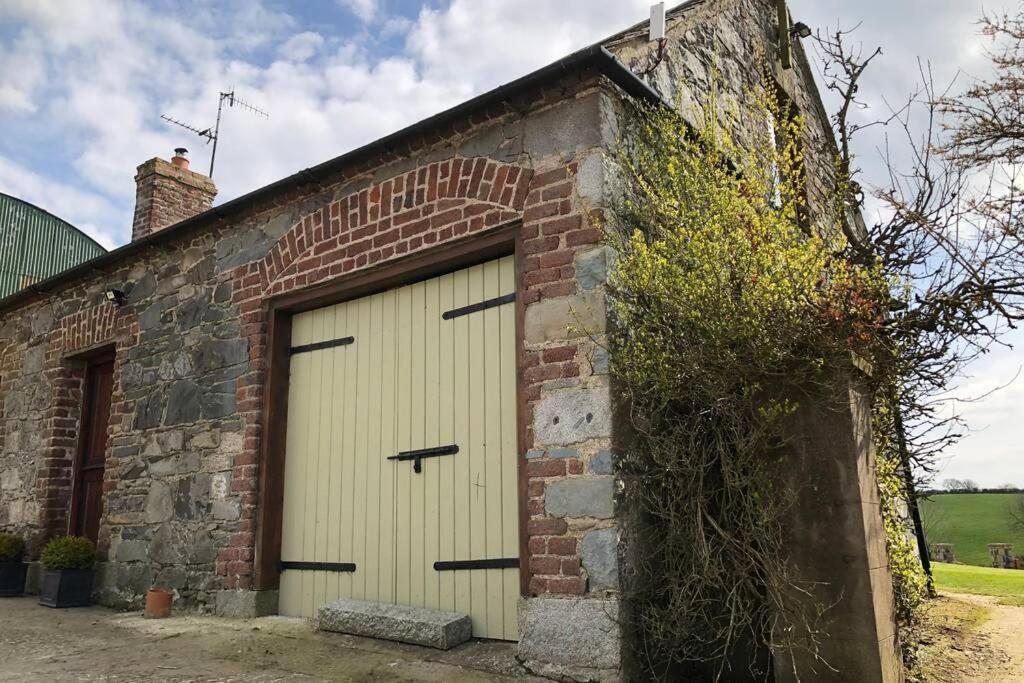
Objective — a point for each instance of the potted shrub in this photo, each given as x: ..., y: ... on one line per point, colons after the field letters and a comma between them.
x: 67, y: 572
x: 12, y: 568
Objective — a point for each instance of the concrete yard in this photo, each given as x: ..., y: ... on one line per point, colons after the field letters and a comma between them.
x: 97, y: 644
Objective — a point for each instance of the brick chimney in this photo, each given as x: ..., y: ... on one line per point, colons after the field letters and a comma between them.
x: 168, y: 192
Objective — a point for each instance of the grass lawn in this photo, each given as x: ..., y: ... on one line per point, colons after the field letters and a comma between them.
x: 1007, y: 584
x: 970, y: 521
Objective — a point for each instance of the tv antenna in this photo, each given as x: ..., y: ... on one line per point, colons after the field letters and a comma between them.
x: 213, y: 134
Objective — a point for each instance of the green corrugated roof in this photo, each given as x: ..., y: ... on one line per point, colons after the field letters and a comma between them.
x: 35, y: 245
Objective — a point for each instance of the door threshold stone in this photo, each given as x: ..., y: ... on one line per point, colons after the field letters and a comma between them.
x: 401, y: 623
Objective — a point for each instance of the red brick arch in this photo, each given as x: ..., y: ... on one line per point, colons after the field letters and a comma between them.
x: 90, y: 327
x: 428, y: 205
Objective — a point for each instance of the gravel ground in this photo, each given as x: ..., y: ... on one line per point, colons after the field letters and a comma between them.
x: 95, y: 644
x: 968, y: 638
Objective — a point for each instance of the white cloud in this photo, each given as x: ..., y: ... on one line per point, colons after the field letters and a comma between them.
x: 14, y: 99
x: 395, y: 26
x: 366, y: 10
x: 492, y: 42
x: 21, y: 73
x: 301, y: 46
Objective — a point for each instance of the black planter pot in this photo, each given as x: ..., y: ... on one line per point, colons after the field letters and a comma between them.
x: 66, y: 588
x: 12, y: 578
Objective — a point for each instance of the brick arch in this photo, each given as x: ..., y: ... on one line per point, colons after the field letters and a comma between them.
x: 428, y: 205
x: 91, y: 327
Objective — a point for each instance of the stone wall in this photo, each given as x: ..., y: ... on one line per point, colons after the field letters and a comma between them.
x: 182, y: 462
x: 836, y: 539
x: 943, y: 552
x: 1002, y: 555
x: 728, y: 46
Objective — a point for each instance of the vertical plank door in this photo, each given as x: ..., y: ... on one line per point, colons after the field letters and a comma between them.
x: 431, y: 366
x: 88, y: 502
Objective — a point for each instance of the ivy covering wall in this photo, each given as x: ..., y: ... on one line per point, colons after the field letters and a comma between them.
x: 731, y: 304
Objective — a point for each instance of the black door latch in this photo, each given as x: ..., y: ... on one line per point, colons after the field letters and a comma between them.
x: 418, y: 455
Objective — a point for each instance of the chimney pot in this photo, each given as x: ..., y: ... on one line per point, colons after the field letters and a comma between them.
x: 180, y: 158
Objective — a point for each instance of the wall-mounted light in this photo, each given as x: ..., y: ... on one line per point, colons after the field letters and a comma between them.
x: 800, y: 30
x: 115, y: 296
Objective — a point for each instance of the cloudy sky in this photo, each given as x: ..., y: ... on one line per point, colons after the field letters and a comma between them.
x: 83, y: 84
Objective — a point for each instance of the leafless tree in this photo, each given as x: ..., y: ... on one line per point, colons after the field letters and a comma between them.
x: 948, y: 237
x: 987, y: 124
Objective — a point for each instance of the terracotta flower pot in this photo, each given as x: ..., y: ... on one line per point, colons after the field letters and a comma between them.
x: 158, y: 604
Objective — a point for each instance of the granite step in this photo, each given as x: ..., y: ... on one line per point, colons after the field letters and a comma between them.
x: 414, y: 625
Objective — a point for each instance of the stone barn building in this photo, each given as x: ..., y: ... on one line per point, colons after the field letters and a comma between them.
x: 377, y: 378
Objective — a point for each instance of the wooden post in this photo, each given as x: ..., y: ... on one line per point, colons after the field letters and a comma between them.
x: 785, y: 47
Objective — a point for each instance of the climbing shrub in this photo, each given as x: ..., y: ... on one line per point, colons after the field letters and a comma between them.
x: 729, y: 309
x: 910, y: 584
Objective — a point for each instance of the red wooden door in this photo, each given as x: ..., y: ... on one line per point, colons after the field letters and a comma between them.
x: 88, y: 504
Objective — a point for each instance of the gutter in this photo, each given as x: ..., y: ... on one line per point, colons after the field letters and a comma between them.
x: 596, y: 56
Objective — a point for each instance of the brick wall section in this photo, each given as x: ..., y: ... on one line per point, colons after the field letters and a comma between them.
x: 234, y: 563
x: 166, y: 194
x: 86, y: 329
x: 558, y: 236
x: 60, y: 428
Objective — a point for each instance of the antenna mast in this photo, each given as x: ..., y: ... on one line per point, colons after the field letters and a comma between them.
x: 212, y: 135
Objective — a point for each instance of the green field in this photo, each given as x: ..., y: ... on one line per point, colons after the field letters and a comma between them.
x: 1008, y: 584
x: 970, y: 521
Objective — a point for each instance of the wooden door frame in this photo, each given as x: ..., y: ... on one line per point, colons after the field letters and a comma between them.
x: 503, y: 240
x: 88, y: 359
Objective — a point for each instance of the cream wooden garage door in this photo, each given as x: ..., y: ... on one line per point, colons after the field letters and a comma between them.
x: 427, y: 368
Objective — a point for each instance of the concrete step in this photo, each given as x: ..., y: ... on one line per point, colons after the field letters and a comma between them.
x: 415, y: 625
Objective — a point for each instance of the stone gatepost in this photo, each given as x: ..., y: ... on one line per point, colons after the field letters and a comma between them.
x: 837, y: 540
x: 943, y: 552
x: 1001, y: 554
